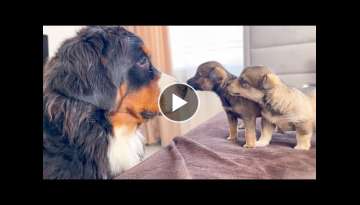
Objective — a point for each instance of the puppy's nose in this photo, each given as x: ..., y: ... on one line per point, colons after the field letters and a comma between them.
x: 190, y: 81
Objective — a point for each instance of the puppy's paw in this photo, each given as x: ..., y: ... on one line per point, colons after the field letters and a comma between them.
x: 302, y: 147
x: 266, y: 114
x: 230, y: 138
x: 248, y: 146
x: 262, y: 143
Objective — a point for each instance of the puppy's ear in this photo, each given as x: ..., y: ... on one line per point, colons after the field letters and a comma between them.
x: 269, y: 81
x: 80, y: 74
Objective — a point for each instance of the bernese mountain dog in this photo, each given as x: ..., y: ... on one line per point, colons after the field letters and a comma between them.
x: 97, y: 89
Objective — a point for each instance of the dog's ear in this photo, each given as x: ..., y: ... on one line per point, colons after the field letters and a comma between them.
x: 269, y: 81
x: 80, y: 73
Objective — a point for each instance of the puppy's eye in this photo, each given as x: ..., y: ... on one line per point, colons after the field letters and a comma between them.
x: 244, y: 83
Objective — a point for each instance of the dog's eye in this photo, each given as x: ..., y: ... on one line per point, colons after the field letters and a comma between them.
x: 143, y: 62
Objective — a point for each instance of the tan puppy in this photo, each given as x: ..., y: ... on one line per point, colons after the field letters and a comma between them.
x: 283, y: 106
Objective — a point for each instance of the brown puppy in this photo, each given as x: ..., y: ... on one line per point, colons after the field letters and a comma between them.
x: 288, y: 108
x: 212, y: 76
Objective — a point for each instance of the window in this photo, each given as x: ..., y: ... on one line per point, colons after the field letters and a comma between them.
x: 193, y: 45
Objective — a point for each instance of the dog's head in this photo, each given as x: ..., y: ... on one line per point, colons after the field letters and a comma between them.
x: 253, y: 82
x: 208, y: 76
x: 106, y: 67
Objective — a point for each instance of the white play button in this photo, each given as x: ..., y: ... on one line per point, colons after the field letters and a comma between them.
x: 177, y: 102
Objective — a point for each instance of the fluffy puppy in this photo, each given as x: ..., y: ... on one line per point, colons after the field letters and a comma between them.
x: 286, y: 107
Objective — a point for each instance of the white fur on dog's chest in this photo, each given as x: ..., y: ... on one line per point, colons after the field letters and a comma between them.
x: 125, y: 151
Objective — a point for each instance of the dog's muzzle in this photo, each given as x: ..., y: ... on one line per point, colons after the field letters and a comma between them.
x: 149, y: 115
x: 192, y: 83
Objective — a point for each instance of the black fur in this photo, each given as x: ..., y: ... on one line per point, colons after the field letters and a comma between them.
x: 80, y: 88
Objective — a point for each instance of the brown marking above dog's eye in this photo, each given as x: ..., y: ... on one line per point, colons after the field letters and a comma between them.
x: 146, y: 51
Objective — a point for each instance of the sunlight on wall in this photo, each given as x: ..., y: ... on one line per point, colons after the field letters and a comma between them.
x: 193, y: 45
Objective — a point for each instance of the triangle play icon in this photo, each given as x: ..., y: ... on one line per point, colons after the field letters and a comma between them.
x: 177, y: 102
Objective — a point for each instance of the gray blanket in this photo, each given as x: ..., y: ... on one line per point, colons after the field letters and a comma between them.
x: 204, y: 153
